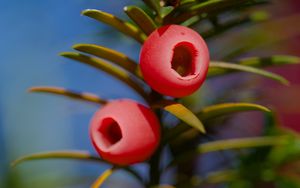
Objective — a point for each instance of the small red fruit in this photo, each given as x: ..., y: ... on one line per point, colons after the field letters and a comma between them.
x: 174, y: 60
x: 125, y: 132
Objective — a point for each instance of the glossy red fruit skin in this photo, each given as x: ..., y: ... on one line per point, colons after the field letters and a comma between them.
x: 156, y: 60
x: 134, y: 141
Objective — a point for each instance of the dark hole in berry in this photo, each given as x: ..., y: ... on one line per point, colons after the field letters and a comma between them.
x: 110, y: 132
x: 183, y: 60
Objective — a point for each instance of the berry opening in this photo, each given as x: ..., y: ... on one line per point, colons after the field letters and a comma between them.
x: 110, y: 132
x: 183, y: 60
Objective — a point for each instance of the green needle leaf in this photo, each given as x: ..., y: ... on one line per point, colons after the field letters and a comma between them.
x: 235, y: 143
x: 226, y: 108
x: 269, y: 61
x: 153, y: 4
x: 166, y: 10
x: 239, y: 143
x: 182, y: 2
x: 142, y: 19
x: 215, y: 4
x: 98, y: 183
x: 116, y: 57
x: 71, y: 94
x: 164, y: 186
x: 259, y: 16
x: 184, y: 114
x: 188, y: 10
x: 215, y: 111
x: 78, y: 155
x: 208, y: 4
x: 124, y: 27
x: 219, y: 68
x: 108, y: 68
x: 217, y: 177
x: 254, y: 17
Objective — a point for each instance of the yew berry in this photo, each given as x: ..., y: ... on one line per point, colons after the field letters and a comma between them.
x: 125, y: 132
x: 174, y: 60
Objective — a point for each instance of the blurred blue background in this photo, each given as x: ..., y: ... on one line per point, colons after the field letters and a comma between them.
x: 32, y: 34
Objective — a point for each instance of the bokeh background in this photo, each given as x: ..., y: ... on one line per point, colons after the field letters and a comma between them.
x: 33, y: 32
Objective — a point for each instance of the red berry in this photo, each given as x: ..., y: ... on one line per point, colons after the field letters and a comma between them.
x: 125, y: 132
x: 174, y: 60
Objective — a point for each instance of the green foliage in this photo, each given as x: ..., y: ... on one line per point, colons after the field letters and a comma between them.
x: 260, y: 160
x: 217, y: 68
x: 213, y: 112
x: 124, y: 27
x: 269, y: 61
x: 58, y: 155
x: 103, y: 177
x: 154, y: 5
x: 141, y: 18
x: 108, y: 68
x: 204, y: 9
x: 226, y: 108
x: 111, y: 55
x: 237, y: 143
x: 184, y: 114
x: 88, y: 97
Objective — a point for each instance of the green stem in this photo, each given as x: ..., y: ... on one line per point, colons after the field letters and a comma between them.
x: 134, y: 173
x: 154, y: 169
